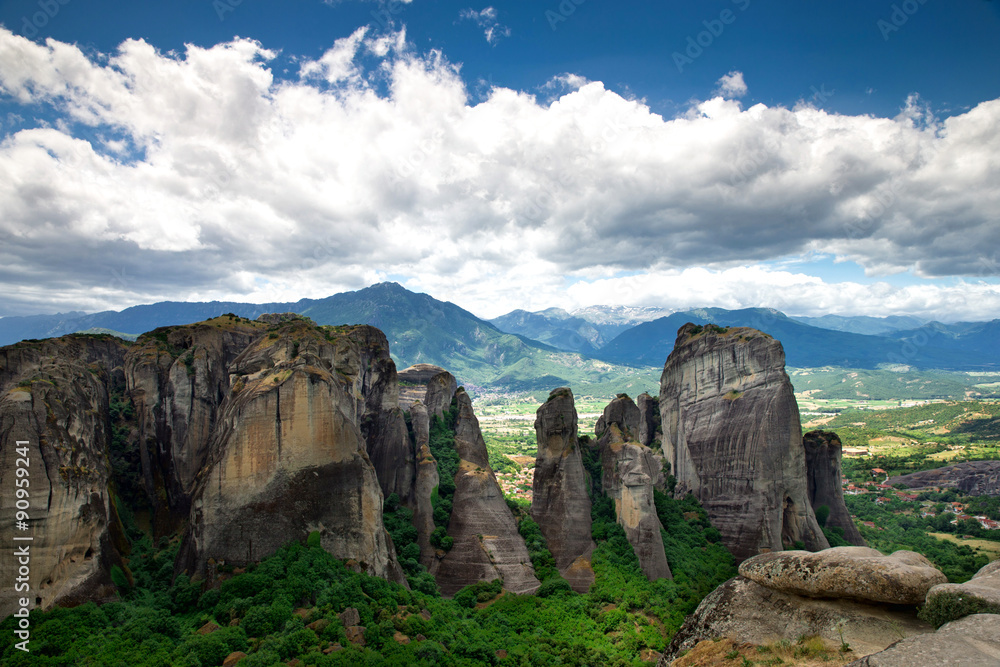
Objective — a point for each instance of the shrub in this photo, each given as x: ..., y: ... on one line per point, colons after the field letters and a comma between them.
x: 943, y: 608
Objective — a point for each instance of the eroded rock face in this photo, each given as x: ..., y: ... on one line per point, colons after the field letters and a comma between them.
x: 857, y: 573
x: 732, y: 435
x: 974, y: 478
x: 823, y: 453
x: 984, y: 586
x: 382, y: 423
x: 973, y: 641
x: 431, y: 385
x: 56, y: 405
x: 178, y: 378
x: 630, y: 472
x: 745, y: 611
x: 649, y: 421
x: 487, y: 544
x: 560, y: 500
x: 288, y: 456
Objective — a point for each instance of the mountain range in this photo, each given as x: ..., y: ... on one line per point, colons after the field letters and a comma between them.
x: 593, y: 346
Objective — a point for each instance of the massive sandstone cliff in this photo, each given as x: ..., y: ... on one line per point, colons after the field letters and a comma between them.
x: 288, y: 455
x: 732, y: 436
x: 630, y: 472
x: 487, y: 544
x: 560, y: 501
x: 425, y: 391
x: 177, y: 378
x: 54, y: 400
x: 823, y: 453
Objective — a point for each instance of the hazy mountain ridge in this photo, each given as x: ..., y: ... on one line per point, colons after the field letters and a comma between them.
x: 530, y: 351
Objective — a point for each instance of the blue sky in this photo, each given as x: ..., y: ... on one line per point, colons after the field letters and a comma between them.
x: 814, y: 157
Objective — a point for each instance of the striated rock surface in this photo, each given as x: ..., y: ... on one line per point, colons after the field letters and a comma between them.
x: 732, y: 436
x: 487, y: 544
x: 431, y: 385
x: 426, y: 481
x: 857, y: 573
x: 745, y: 611
x: 984, y: 587
x: 630, y: 472
x: 974, y: 478
x: 823, y: 453
x: 288, y: 456
x: 55, y: 402
x: 560, y: 500
x: 649, y: 421
x: 973, y: 641
x: 425, y: 391
x: 178, y: 378
x: 382, y: 423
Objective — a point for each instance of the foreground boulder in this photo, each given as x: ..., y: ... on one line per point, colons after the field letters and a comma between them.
x: 973, y: 641
x: 732, y: 436
x: 981, y: 593
x: 823, y: 455
x: 856, y: 573
x: 560, y: 499
x: 487, y: 544
x: 288, y: 456
x: 747, y: 612
x: 630, y: 472
x: 53, y: 425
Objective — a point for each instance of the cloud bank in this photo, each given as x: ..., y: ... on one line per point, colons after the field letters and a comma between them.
x: 202, y: 174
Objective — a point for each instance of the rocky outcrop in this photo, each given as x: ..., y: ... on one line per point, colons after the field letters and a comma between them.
x: 54, y: 426
x: 425, y: 391
x: 984, y: 587
x: 382, y: 423
x: 431, y: 385
x: 560, y: 498
x: 747, y: 612
x: 823, y: 453
x: 487, y: 544
x: 856, y: 573
x: 288, y: 456
x: 629, y: 473
x: 973, y: 641
x: 974, y: 478
x: 177, y: 378
x: 732, y: 436
x: 649, y: 421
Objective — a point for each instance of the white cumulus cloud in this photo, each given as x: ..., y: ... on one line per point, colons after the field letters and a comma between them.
x: 202, y: 174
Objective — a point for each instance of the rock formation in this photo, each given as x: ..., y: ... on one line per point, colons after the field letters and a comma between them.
x: 973, y: 641
x: 487, y: 544
x: 630, y: 472
x: 823, y: 453
x: 649, y: 421
x: 560, y: 499
x: 855, y: 573
x: 288, y: 455
x: 177, y: 378
x: 984, y: 587
x: 732, y: 436
x: 53, y: 424
x: 425, y: 391
x: 431, y: 385
x: 747, y: 612
x: 974, y: 478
